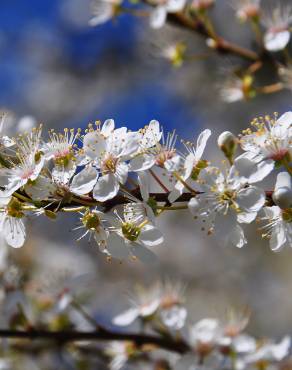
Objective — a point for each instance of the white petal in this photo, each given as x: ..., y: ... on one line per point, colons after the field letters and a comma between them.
x: 106, y: 188
x: 151, y: 236
x: 142, y: 162
x: 122, y: 172
x: 144, y: 184
x: 285, y: 120
x: 126, y: 318
x: 84, y: 181
x: 194, y: 206
x: 158, y: 17
x: 252, y: 170
x: 278, y: 238
x: 173, y: 164
x: 108, y: 127
x: 246, y: 217
x: 94, y: 144
x: 14, y: 231
x: 152, y: 135
x: 131, y: 144
x: 202, y: 142
x: 276, y: 41
x: 117, y: 247
x: 41, y: 188
x: 251, y: 199
x: 236, y: 237
x: 174, y: 317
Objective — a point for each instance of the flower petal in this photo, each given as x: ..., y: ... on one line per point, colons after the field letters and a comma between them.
x: 126, y: 318
x: 151, y: 236
x: 84, y: 181
x: 106, y: 188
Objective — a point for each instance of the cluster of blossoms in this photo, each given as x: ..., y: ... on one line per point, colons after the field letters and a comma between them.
x: 270, y: 23
x: 167, y: 337
x: 107, y: 173
x: 210, y: 343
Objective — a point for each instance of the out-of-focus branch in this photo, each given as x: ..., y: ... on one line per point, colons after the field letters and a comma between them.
x: 61, y: 337
x: 222, y: 45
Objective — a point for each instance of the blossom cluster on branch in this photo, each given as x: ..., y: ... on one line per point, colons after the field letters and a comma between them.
x: 41, y: 322
x: 107, y: 175
x: 271, y: 26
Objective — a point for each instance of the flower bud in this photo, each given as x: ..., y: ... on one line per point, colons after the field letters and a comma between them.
x: 227, y: 142
x: 282, y: 195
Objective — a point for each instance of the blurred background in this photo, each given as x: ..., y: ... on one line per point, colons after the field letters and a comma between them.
x: 53, y: 66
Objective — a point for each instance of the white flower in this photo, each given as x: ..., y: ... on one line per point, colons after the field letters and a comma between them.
x: 162, y: 7
x: 5, y: 141
x: 175, y: 53
x: 236, y: 88
x: 11, y: 222
x: 225, y: 202
x: 270, y: 352
x: 110, y: 156
x: 131, y: 237
x: 270, y: 143
x: 162, y: 302
x: 60, y: 149
x: 145, y: 158
x: 277, y: 35
x: 144, y: 304
x: 120, y: 352
x: 246, y: 9
x: 103, y: 11
x: 172, y: 311
x: 29, y: 164
x: 95, y: 224
x: 204, y: 335
x: 192, y: 163
x: 279, y: 227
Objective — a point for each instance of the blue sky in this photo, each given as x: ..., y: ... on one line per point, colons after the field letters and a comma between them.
x: 82, y: 47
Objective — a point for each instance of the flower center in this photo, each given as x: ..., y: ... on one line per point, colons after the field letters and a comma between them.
x: 227, y: 196
x: 130, y: 231
x: 109, y: 164
x: 14, y: 208
x: 163, y: 156
x: 91, y: 221
x: 287, y: 215
x: 279, y: 155
x: 64, y: 157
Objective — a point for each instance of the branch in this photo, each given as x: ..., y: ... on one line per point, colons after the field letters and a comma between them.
x: 223, y: 46
x: 169, y: 344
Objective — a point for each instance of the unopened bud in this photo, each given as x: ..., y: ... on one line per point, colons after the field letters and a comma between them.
x: 227, y: 142
x: 282, y: 195
x: 201, y: 5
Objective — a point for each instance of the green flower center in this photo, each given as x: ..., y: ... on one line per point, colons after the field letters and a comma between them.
x: 91, y: 221
x: 14, y: 208
x: 131, y: 231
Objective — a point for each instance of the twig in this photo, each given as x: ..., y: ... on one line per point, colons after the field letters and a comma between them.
x: 71, y: 336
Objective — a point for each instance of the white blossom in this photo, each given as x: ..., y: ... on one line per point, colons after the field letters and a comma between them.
x: 161, y: 8
x: 226, y: 202
x: 192, y: 163
x: 269, y: 143
x: 103, y: 11
x: 277, y: 23
x: 278, y: 228
x: 110, y: 155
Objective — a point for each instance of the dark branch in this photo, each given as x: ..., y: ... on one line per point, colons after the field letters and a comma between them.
x: 70, y: 336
